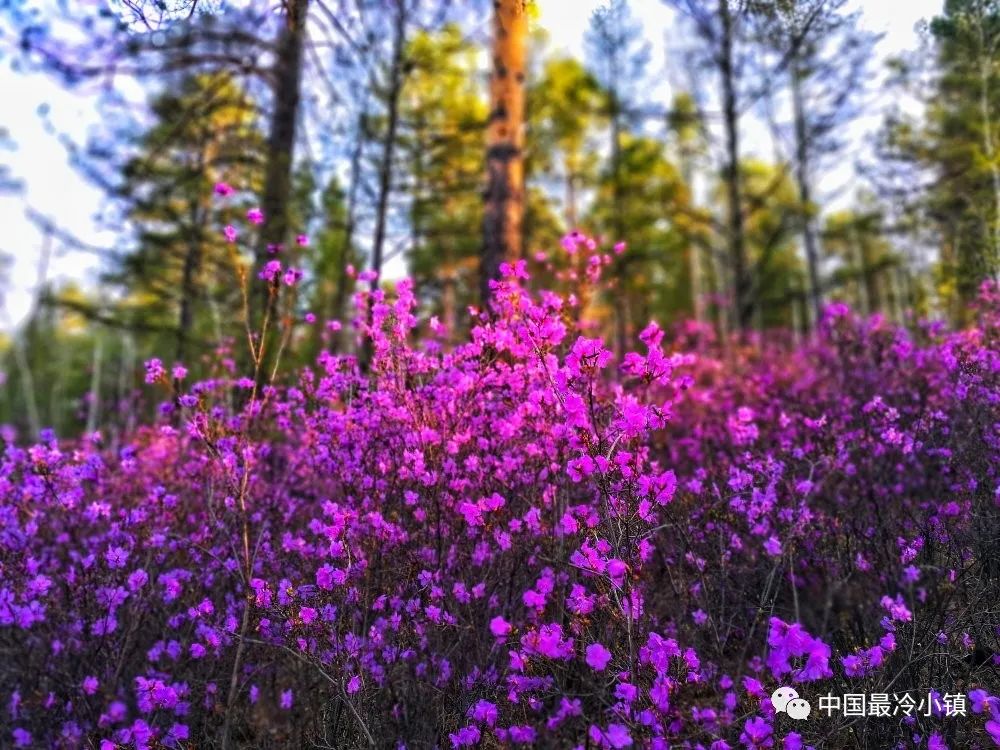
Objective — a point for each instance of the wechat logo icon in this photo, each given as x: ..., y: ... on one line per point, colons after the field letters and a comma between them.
x: 787, y: 700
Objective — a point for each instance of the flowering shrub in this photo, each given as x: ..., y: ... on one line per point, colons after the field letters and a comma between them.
x: 519, y: 541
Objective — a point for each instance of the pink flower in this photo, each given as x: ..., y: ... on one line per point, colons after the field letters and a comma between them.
x: 302, y: 240
x: 620, y: 248
x: 179, y: 371
x: 327, y: 577
x: 597, y: 657
x: 271, y: 270
x: 255, y: 216
x: 500, y: 627
x: 223, y: 189
x: 229, y: 232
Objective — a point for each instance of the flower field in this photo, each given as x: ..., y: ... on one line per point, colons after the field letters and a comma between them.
x: 522, y: 540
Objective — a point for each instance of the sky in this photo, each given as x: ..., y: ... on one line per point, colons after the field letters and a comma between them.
x: 54, y: 189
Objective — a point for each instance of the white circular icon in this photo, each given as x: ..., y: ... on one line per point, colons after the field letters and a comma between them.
x: 781, y: 697
x: 798, y: 708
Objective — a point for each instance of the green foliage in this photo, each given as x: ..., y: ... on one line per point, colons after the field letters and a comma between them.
x: 565, y: 112
x: 178, y: 277
x: 867, y: 262
x: 771, y: 234
x: 67, y: 372
x: 958, y: 142
x: 651, y: 276
x: 444, y: 114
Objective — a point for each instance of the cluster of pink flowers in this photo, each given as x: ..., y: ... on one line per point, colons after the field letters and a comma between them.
x: 519, y: 541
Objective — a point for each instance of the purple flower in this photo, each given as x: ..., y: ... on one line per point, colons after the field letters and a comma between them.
x: 465, y: 737
x: 500, y: 627
x: 271, y: 270
x: 485, y: 712
x: 116, y: 557
x: 522, y: 735
x: 597, y: 657
x: 757, y: 733
x: 155, y: 371
x: 936, y: 742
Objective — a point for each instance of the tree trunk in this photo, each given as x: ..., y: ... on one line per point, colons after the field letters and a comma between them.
x: 286, y: 82
x: 616, y: 168
x: 504, y: 196
x: 389, y: 142
x: 386, y: 163
x: 742, y: 303
x: 866, y: 289
x: 189, y: 287
x: 571, y: 213
x: 94, y: 406
x: 810, y: 241
x: 694, y: 248
x: 340, y: 296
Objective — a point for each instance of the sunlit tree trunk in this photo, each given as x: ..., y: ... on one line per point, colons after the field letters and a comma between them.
x: 504, y: 196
